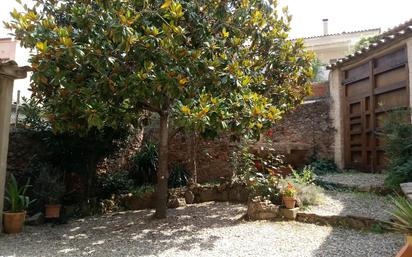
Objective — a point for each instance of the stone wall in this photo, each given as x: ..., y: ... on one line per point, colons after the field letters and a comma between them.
x: 23, y: 148
x: 308, y: 128
x: 301, y: 132
x: 305, y: 131
x: 212, y: 156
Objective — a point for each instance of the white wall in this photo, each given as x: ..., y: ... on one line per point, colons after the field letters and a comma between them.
x: 22, y: 59
x: 11, y: 49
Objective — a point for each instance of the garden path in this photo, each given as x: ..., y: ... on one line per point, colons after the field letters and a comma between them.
x: 207, y: 229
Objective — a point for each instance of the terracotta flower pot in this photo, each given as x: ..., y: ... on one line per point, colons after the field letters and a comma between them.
x: 409, y: 239
x: 52, y: 210
x: 289, y: 202
x: 13, y: 222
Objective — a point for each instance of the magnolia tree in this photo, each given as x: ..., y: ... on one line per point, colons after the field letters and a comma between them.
x: 211, y: 66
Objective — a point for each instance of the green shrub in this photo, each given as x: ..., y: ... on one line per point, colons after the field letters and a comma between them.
x: 49, y: 186
x: 140, y: 190
x: 402, y: 215
x: 307, y: 192
x: 397, y: 132
x: 33, y: 115
x: 323, y: 166
x: 145, y: 165
x: 257, y: 173
x: 16, y: 196
x: 304, y: 176
x: 114, y: 183
x: 179, y: 176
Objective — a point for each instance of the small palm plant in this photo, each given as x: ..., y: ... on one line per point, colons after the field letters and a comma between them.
x: 402, y: 214
x: 18, y: 204
x: 16, y: 195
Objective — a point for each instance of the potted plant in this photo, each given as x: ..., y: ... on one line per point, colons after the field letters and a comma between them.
x: 289, y: 196
x: 18, y: 203
x: 50, y: 188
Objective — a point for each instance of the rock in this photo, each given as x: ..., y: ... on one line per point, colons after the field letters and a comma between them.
x: 189, y: 197
x: 144, y: 201
x: 182, y: 202
x: 262, y: 210
x: 289, y: 214
x: 207, y: 194
x: 35, y: 220
x: 238, y: 193
x: 175, y: 202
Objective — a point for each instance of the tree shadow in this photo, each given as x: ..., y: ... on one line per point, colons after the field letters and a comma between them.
x: 358, y: 232
x: 135, y: 230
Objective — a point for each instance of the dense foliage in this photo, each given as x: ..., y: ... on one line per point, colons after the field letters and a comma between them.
x: 146, y: 163
x: 397, y: 135
x: 179, y: 176
x: 259, y: 174
x: 364, y: 42
x: 16, y: 197
x: 323, y: 166
x: 209, y: 65
x: 402, y: 214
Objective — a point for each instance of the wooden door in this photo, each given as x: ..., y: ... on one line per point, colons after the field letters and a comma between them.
x: 372, y: 90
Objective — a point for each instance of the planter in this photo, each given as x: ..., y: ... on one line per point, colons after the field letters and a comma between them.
x: 289, y: 202
x: 13, y: 222
x: 52, y: 210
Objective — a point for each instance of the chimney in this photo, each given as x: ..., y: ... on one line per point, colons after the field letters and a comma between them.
x: 325, y: 27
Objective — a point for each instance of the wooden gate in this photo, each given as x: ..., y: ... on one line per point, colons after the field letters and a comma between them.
x: 372, y: 89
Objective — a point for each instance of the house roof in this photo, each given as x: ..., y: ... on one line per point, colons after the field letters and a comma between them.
x: 341, y: 34
x: 395, y: 34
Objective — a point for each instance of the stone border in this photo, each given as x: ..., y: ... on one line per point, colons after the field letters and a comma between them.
x: 354, y: 222
x: 379, y: 190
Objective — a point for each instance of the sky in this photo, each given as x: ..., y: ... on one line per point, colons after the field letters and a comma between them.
x: 343, y: 15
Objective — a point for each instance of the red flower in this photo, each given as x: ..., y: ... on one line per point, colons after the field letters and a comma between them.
x: 258, y: 165
x: 269, y: 133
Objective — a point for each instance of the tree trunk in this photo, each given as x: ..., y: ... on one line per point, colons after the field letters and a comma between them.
x: 163, y: 173
x: 192, y: 136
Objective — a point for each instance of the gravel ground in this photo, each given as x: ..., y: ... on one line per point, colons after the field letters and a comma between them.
x: 209, y: 229
x: 353, y: 204
x: 355, y: 179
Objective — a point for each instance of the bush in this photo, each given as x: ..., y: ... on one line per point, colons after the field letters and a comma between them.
x: 145, y: 165
x: 307, y: 192
x: 140, y: 190
x: 304, y: 176
x: 257, y: 173
x: 49, y: 186
x: 179, y: 176
x: 33, y: 116
x: 402, y: 214
x: 397, y: 132
x: 323, y: 166
x: 114, y: 183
